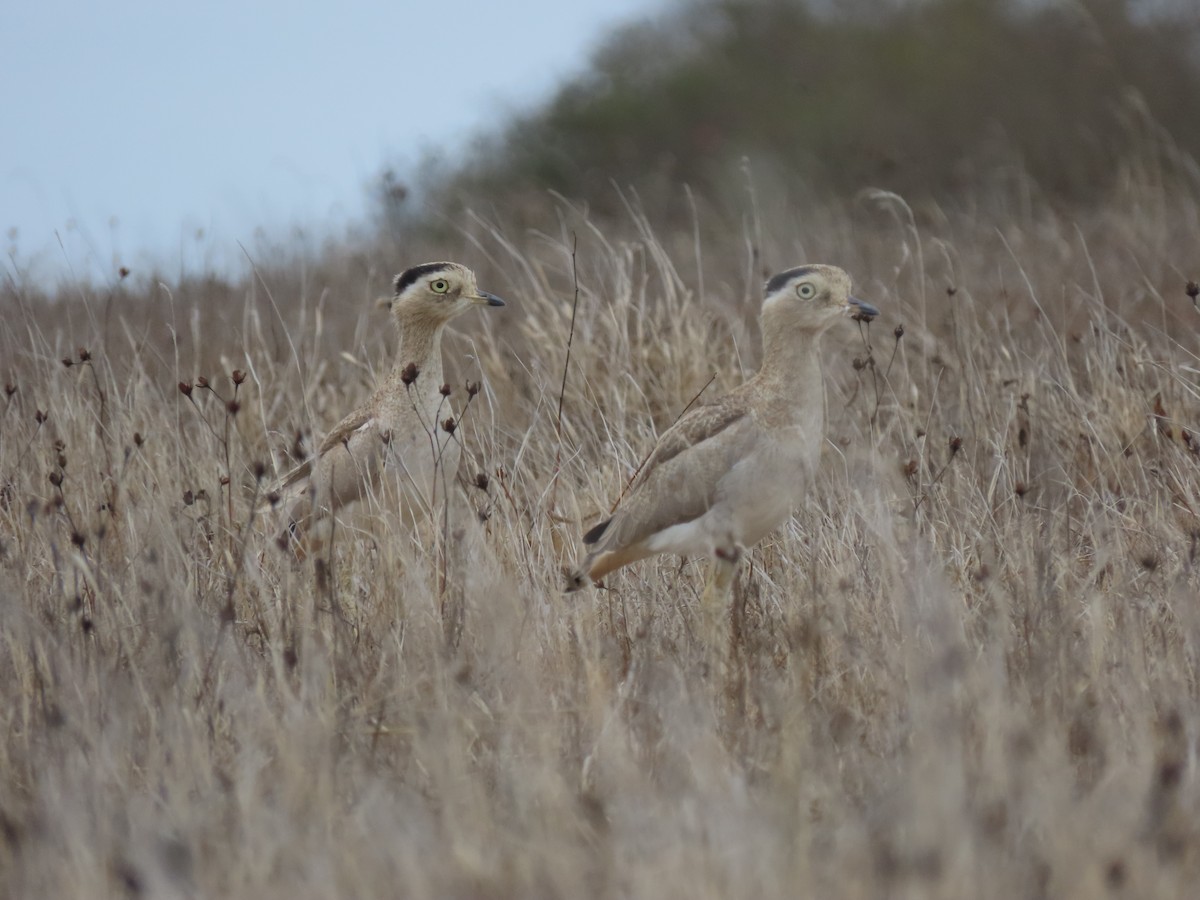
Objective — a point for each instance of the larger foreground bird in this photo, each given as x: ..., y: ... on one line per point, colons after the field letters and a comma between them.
x: 731, y: 471
x: 401, y: 430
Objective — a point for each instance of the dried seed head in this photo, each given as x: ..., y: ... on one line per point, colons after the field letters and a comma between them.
x: 201, y: 381
x: 224, y: 480
x: 444, y: 390
x: 78, y: 539
x: 1193, y: 290
x: 68, y: 362
x: 386, y: 436
x: 40, y: 416
x: 1021, y: 489
x: 273, y: 498
x: 449, y: 425
x: 59, y: 445
x: 185, y: 388
x: 84, y: 355
x: 409, y: 374
x: 955, y: 445
x: 898, y: 332
x: 56, y: 479
x: 9, y: 389
x: 1116, y: 873
x: 123, y: 272
x: 234, y: 407
x: 62, y: 460
x: 951, y: 290
x: 138, y: 440
x: 188, y: 498
x: 481, y: 481
x: 472, y: 388
x: 910, y: 468
x: 260, y: 469
x: 237, y: 376
x: 858, y: 364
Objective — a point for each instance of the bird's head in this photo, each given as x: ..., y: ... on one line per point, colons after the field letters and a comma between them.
x: 437, y: 291
x: 812, y: 298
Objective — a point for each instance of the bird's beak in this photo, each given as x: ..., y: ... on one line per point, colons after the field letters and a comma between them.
x: 860, y: 310
x: 487, y: 299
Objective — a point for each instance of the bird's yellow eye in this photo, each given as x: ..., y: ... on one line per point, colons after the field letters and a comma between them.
x: 806, y: 291
x: 440, y: 286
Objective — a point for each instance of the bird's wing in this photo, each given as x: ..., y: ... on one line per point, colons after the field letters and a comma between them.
x: 699, y: 425
x: 343, y: 430
x: 340, y: 433
x: 680, y: 478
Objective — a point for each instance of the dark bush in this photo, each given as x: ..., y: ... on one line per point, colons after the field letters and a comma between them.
x: 946, y: 99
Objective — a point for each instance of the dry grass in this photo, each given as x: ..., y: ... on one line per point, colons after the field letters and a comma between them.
x: 968, y: 668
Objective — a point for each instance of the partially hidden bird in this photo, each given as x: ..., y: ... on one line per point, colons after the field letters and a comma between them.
x: 731, y: 470
x: 406, y: 428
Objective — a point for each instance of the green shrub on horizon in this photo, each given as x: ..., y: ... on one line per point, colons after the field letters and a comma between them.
x: 942, y: 99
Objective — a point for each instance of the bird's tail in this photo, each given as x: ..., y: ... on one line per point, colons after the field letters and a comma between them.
x: 576, y: 579
x: 580, y: 576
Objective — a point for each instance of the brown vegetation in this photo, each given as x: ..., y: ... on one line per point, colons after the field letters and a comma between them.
x: 968, y: 668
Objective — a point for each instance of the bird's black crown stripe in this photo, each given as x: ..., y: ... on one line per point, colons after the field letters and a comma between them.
x: 410, y: 276
x: 778, y: 281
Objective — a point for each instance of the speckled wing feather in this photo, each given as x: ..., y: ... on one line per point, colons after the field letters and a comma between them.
x: 338, y: 435
x: 681, y: 475
x: 342, y: 430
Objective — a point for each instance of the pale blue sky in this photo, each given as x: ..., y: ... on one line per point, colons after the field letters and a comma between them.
x: 129, y: 126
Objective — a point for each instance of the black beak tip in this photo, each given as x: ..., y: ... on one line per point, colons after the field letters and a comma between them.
x: 492, y: 299
x: 862, y: 311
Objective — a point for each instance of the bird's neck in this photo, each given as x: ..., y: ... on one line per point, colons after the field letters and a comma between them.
x: 790, y: 355
x: 791, y: 373
x: 421, y: 345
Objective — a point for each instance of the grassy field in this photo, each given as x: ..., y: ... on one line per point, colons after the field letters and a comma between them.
x: 966, y: 668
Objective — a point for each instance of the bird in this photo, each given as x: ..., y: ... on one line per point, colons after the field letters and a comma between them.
x: 406, y: 427
x: 730, y: 471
